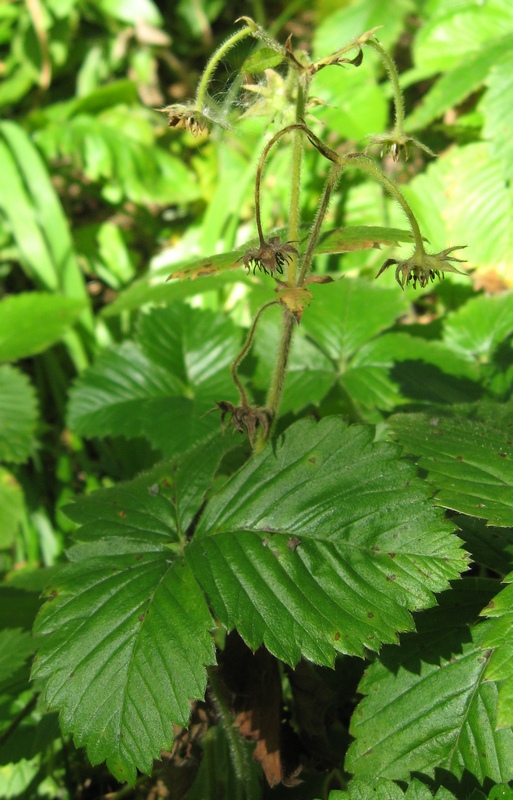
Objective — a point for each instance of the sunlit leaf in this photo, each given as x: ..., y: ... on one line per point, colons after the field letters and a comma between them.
x: 320, y: 544
x: 30, y: 322
x: 18, y: 415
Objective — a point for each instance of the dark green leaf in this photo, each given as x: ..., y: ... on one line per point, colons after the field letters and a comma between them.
x: 320, y: 544
x: 15, y: 647
x: 469, y: 463
x: 427, y: 706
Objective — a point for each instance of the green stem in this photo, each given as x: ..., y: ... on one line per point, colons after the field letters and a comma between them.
x: 219, y: 54
x: 243, y: 353
x: 259, y: 173
x: 294, y: 234
x: 288, y: 325
x: 331, y: 182
x: 391, y: 69
x: 368, y: 166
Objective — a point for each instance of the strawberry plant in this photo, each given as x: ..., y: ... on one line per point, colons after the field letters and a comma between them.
x: 290, y: 571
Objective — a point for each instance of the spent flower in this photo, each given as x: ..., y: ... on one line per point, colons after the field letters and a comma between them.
x: 423, y: 267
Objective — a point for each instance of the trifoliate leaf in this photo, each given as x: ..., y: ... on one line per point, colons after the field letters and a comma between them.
x: 427, y: 707
x: 161, y: 386
x: 321, y: 543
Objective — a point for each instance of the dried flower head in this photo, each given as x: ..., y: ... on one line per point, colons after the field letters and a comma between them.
x: 270, y: 257
x: 245, y: 418
x: 188, y: 117
x: 423, y: 267
x: 396, y: 143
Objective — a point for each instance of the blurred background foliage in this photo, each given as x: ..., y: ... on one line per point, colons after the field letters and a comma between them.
x: 100, y: 200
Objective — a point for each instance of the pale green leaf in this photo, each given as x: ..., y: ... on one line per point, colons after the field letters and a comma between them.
x: 497, y: 108
x: 321, y: 543
x: 12, y: 507
x: 468, y: 462
x: 32, y: 321
x: 427, y: 706
x: 457, y: 83
x: 350, y: 21
x: 39, y: 226
x: 463, y: 30
x: 18, y: 415
x: 265, y: 58
x: 131, y: 12
x: 480, y: 325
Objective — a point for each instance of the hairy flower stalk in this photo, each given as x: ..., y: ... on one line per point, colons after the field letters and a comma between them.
x: 396, y: 140
x: 199, y: 116
x: 421, y: 267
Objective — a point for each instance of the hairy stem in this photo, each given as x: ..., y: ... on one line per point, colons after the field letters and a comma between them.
x: 260, y: 170
x: 278, y: 379
x: 201, y: 94
x: 294, y: 233
x: 391, y: 69
x: 368, y: 166
x: 243, y: 353
x: 331, y: 182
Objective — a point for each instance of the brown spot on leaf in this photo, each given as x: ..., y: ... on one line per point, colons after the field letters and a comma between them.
x: 293, y: 543
x: 337, y: 636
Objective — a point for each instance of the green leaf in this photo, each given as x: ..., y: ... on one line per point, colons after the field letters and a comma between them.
x: 469, y: 463
x: 500, y: 639
x: 15, y: 647
x: 480, y: 325
x: 161, y: 386
x: 120, y: 151
x: 32, y: 321
x: 457, y: 83
x: 384, y: 789
x: 12, y: 507
x: 427, y: 706
x: 263, y: 59
x: 496, y: 106
x: 39, y: 226
x: 18, y: 415
x: 458, y: 31
x: 343, y: 318
x: 126, y: 629
x: 466, y: 184
x: 349, y: 21
x: 132, y: 12
x: 321, y: 544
